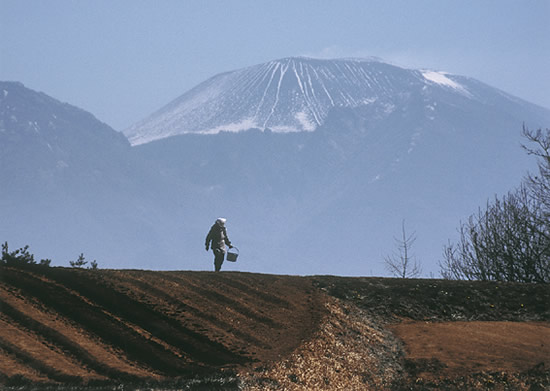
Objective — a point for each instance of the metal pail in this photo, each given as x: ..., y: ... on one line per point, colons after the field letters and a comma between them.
x: 232, y: 254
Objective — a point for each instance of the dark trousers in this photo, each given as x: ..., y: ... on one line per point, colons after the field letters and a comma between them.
x: 219, y: 255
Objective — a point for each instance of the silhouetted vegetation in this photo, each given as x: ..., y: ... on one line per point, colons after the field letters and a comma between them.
x: 23, y: 258
x: 80, y: 262
x: 20, y: 257
x: 509, y: 240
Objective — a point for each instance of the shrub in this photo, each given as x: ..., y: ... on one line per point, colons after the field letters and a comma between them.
x: 510, y: 239
x: 18, y: 257
x: 80, y: 262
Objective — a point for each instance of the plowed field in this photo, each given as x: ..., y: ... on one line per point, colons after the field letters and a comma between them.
x: 101, y: 328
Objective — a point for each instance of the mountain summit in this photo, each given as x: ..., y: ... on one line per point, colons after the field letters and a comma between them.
x: 289, y: 95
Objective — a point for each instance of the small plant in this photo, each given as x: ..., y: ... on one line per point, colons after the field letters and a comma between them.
x: 402, y: 263
x: 45, y: 262
x: 93, y: 265
x: 80, y: 262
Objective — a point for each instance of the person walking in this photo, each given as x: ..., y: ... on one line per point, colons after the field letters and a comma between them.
x: 217, y: 239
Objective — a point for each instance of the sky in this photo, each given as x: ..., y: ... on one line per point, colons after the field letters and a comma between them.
x: 124, y: 59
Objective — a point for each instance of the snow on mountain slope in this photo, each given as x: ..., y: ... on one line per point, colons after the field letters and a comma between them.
x: 442, y: 79
x: 287, y: 95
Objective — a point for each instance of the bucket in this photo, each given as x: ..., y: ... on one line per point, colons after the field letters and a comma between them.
x: 232, y: 254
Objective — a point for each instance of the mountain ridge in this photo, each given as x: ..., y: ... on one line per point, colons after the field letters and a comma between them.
x: 70, y: 183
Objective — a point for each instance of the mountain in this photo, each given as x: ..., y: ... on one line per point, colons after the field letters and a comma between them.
x: 47, y: 137
x: 297, y: 94
x: 383, y: 144
x: 70, y: 183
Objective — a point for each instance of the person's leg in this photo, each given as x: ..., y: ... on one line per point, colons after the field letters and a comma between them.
x: 218, y: 259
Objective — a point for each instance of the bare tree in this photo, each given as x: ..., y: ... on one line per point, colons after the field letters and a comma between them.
x: 508, y: 241
x: 402, y: 263
x: 539, y: 184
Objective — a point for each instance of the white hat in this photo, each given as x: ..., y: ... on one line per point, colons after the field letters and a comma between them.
x: 221, y: 221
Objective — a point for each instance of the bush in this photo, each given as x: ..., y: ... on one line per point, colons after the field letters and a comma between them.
x: 80, y: 262
x: 18, y: 257
x: 510, y: 239
x: 22, y: 257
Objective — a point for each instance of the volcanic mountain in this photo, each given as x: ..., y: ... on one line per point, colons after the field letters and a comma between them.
x: 297, y: 94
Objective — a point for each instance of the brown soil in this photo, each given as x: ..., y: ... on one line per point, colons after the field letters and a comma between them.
x: 460, y: 348
x: 204, y: 330
x: 63, y: 325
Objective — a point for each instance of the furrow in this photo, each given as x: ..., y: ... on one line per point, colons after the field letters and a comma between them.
x: 221, y: 299
x: 73, y: 349
x: 111, y: 329
x: 32, y: 351
x: 197, y: 347
x: 171, y: 303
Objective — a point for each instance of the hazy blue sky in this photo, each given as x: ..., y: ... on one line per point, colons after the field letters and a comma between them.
x: 121, y: 60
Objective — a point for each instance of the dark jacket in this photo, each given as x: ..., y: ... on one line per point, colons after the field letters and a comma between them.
x: 218, y: 237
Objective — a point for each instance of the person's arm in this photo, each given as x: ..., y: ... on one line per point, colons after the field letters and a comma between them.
x: 208, y: 239
x: 227, y: 241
